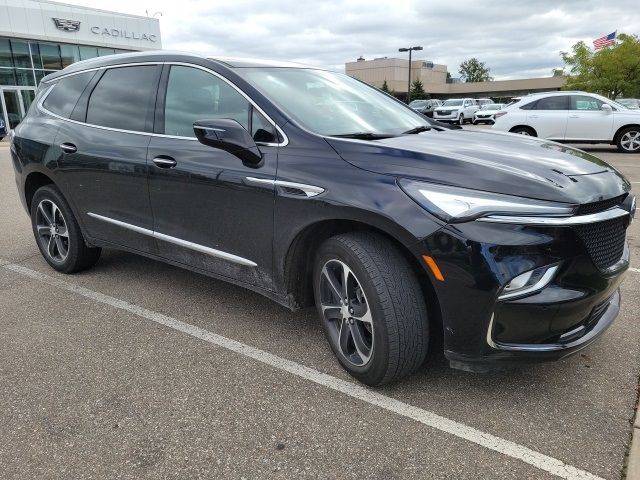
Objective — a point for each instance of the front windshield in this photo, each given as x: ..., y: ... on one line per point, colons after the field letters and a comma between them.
x: 452, y: 103
x: 330, y: 103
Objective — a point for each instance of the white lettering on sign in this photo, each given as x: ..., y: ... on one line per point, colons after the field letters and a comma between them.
x: 114, y: 32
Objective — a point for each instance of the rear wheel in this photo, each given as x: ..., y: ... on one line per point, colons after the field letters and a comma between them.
x: 523, y: 131
x: 461, y: 119
x: 629, y: 140
x: 371, y: 307
x: 58, y: 234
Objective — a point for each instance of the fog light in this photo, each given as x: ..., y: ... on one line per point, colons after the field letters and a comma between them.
x: 528, y: 282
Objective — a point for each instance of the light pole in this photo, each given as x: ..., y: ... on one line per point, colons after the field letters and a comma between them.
x: 409, y: 49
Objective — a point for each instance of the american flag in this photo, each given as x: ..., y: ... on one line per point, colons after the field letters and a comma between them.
x: 605, y: 41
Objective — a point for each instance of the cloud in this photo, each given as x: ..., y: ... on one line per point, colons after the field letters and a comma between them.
x: 515, y: 39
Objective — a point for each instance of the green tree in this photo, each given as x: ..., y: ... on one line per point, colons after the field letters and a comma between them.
x: 473, y: 70
x: 385, y: 86
x: 611, y: 71
x: 417, y: 91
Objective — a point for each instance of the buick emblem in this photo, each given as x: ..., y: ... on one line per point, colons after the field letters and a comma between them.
x: 67, y: 25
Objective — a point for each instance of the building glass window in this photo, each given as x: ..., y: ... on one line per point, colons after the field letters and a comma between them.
x: 5, y: 53
x: 105, y: 51
x: 21, y: 55
x: 50, y: 55
x: 24, y: 77
x: 88, y: 52
x: 7, y: 76
x: 69, y: 54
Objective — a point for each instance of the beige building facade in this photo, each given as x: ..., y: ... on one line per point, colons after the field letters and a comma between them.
x: 434, y: 79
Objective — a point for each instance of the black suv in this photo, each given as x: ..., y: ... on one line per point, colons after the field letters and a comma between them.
x: 311, y: 187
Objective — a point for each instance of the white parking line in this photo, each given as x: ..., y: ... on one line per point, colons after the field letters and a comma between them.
x: 637, y: 270
x: 486, y: 440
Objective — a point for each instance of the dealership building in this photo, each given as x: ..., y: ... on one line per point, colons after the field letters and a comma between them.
x: 436, y: 83
x: 40, y: 37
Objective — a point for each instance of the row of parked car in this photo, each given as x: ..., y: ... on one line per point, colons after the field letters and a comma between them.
x: 570, y: 117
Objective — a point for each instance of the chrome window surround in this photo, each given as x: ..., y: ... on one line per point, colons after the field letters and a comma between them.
x: 610, y: 214
x: 177, y: 241
x: 41, y: 107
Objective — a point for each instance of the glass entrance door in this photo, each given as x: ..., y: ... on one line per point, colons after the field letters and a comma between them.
x: 14, y: 103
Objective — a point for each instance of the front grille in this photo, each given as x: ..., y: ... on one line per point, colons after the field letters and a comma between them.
x: 594, y: 207
x: 604, y: 241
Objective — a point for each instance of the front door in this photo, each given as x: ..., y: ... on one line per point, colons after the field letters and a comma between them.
x: 587, y: 120
x: 207, y: 214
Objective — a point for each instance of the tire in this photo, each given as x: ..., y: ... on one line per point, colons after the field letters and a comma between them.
x: 58, y: 234
x: 524, y: 131
x: 461, y: 119
x: 385, y: 299
x: 476, y: 122
x: 628, y: 140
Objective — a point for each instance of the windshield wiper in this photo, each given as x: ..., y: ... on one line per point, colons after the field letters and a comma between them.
x: 421, y: 128
x: 364, y: 135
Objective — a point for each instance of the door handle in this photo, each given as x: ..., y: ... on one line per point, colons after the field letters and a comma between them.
x: 68, y: 148
x: 533, y: 116
x: 574, y: 116
x: 165, y: 162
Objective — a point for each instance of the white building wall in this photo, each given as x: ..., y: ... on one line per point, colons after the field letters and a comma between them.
x: 32, y: 19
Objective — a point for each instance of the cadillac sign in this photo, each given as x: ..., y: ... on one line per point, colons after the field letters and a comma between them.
x: 67, y: 25
x: 74, y: 26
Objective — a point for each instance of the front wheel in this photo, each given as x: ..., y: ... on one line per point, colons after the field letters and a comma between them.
x: 371, y: 307
x: 461, y: 119
x: 629, y: 140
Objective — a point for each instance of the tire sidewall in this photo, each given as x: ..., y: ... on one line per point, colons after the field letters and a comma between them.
x: 49, y: 192
x: 375, y: 370
x: 619, y: 142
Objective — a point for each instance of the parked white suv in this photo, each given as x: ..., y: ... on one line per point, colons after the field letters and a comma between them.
x: 573, y: 117
x: 456, y: 110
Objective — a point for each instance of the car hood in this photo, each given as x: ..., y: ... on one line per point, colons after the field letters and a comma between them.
x: 489, y: 161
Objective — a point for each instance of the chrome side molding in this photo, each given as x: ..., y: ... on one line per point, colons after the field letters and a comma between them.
x: 308, y: 190
x: 610, y: 214
x: 177, y: 241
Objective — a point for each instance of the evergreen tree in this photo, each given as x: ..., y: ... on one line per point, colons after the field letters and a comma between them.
x: 417, y: 91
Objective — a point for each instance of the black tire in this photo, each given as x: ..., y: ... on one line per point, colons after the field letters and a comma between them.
x: 476, y: 122
x: 524, y: 131
x: 400, y: 337
x: 624, y: 140
x: 78, y: 256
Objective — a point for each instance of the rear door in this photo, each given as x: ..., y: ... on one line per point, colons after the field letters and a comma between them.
x: 587, y: 120
x: 549, y: 117
x: 103, y: 155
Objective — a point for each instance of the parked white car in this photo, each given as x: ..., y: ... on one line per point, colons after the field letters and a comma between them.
x: 456, y: 110
x: 486, y: 113
x: 573, y: 117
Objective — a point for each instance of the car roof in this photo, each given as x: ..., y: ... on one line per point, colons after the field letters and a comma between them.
x: 167, y: 56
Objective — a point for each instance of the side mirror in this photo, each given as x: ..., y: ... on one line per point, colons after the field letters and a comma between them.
x: 228, y: 135
x: 606, y: 108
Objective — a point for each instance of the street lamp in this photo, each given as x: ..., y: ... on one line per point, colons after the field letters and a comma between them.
x: 409, y: 49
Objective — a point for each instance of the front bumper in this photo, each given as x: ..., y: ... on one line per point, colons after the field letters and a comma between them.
x: 452, y: 117
x: 478, y: 259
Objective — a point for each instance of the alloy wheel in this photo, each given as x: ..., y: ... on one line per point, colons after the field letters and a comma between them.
x: 630, y: 141
x: 53, y: 234
x: 346, y: 313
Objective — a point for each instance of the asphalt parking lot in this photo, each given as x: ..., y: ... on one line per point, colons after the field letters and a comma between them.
x: 136, y: 369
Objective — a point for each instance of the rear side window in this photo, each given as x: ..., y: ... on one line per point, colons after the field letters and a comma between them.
x: 557, y: 102
x: 121, y: 99
x: 66, y: 92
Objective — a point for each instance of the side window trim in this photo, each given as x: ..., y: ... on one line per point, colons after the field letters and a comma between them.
x: 282, y: 137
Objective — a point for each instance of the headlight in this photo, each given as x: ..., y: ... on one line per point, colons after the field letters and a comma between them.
x: 455, y: 205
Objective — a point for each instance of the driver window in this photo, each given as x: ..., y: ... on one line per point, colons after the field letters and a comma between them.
x: 193, y: 94
x: 582, y: 102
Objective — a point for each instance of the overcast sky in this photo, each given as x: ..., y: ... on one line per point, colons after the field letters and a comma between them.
x: 516, y: 39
